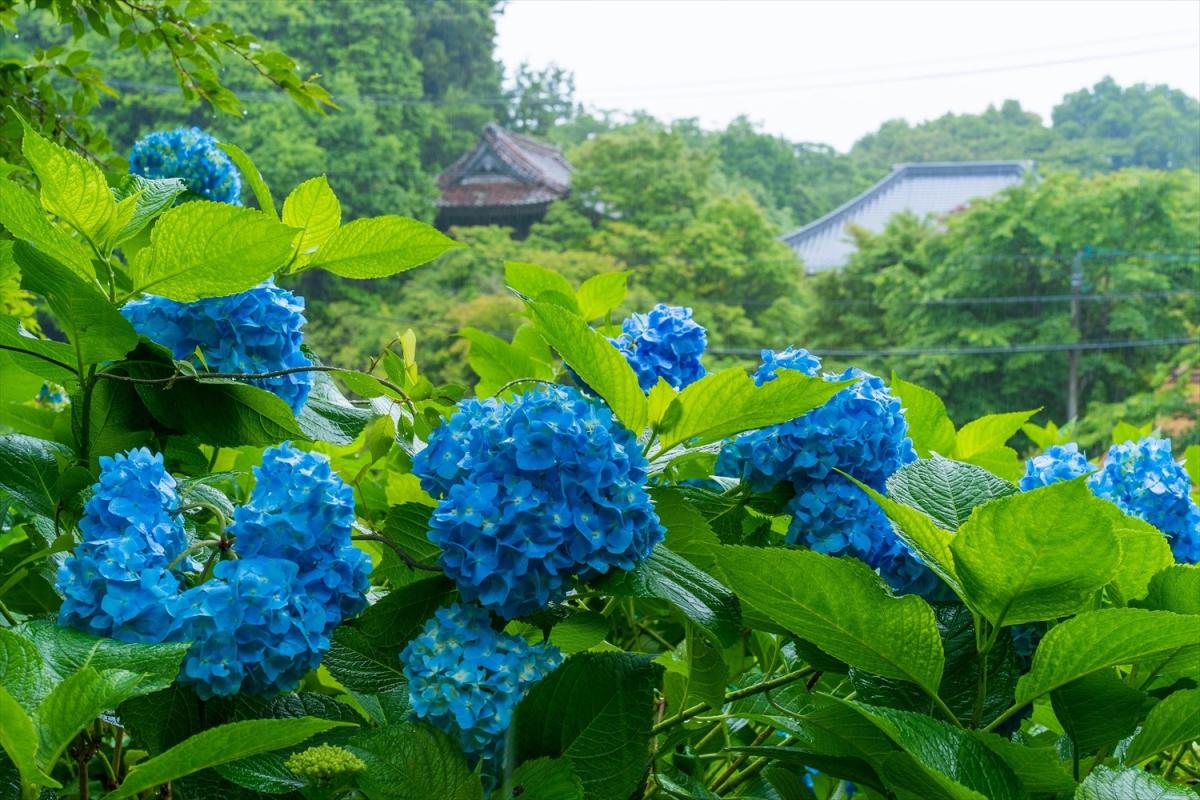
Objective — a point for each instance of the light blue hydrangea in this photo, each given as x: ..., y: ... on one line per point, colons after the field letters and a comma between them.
x: 262, y: 621
x: 1141, y: 478
x: 116, y: 583
x: 258, y: 330
x: 1145, y: 481
x: 1061, y: 462
x: 52, y: 396
x: 665, y: 343
x: 466, y: 678
x: 861, y: 431
x: 191, y: 155
x: 533, y: 491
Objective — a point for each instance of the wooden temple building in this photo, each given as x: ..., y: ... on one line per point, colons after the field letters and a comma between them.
x: 506, y: 179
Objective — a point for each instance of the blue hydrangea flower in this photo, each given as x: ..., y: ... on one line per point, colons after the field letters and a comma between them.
x: 1141, y: 478
x: 52, y: 396
x: 1061, y: 462
x: 301, y: 511
x: 1144, y: 480
x: 191, y: 155
x: 532, y: 491
x: 466, y: 678
x: 861, y: 431
x: 116, y: 581
x: 258, y: 330
x: 665, y: 343
x: 261, y: 622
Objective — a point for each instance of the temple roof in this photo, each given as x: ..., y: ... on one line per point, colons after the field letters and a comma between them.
x: 504, y: 170
x: 937, y: 188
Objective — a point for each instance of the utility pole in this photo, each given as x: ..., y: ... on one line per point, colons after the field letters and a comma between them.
x: 1073, y: 364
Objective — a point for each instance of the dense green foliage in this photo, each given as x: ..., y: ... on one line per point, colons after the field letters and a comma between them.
x: 726, y: 663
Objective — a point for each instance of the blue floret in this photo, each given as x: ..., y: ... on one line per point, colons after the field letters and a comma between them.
x: 466, y: 678
x: 191, y: 155
x: 665, y: 343
x: 1059, y: 463
x: 861, y: 431
x: 116, y: 581
x: 258, y: 330
x: 533, y: 491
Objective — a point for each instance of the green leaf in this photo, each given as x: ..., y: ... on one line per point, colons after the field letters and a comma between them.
x: 1096, y: 640
x: 21, y: 671
x: 842, y: 607
x: 947, y: 754
x: 245, y: 165
x: 1098, y: 710
x: 601, y: 293
x: 497, y: 363
x: 725, y: 403
x: 595, y: 360
x: 700, y: 597
x: 204, y: 249
x: 217, y: 412
x: 1038, y: 768
x: 579, y: 632
x: 327, y: 416
x: 1105, y: 783
x: 380, y: 246
x: 19, y: 740
x: 1191, y: 462
x: 72, y: 188
x: 29, y: 470
x: 66, y: 650
x: 1174, y: 721
x: 154, y: 196
x: 24, y: 219
x: 595, y: 711
x: 542, y: 779
x: 1036, y: 555
x: 960, y: 681
x: 17, y: 349
x: 360, y: 666
x: 76, y: 703
x: 929, y: 425
x: 413, y: 762
x: 534, y: 281
x: 918, y: 530
x: 219, y: 745
x: 1145, y: 552
x: 1176, y: 588
x: 390, y: 622
x: 946, y: 490
x: 989, y: 433
x: 314, y: 209
x: 96, y: 329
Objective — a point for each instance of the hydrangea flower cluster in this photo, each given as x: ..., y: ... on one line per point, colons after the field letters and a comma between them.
x: 466, y: 678
x: 268, y: 617
x: 861, y: 431
x: 116, y: 582
x: 258, y: 330
x: 263, y: 620
x: 191, y: 155
x: 52, y: 396
x: 323, y: 763
x: 665, y: 343
x: 532, y: 491
x: 1061, y: 462
x: 1141, y: 478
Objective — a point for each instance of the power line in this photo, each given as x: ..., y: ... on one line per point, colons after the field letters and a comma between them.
x: 1053, y: 347
x: 889, y: 66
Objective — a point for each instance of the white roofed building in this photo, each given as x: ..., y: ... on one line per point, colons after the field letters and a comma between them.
x: 937, y: 188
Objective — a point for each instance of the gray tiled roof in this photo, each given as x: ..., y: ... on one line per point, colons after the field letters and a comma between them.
x: 931, y: 188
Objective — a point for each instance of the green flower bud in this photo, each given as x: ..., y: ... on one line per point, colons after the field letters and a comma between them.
x: 323, y: 763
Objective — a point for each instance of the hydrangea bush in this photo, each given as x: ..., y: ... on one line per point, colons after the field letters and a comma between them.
x: 690, y: 582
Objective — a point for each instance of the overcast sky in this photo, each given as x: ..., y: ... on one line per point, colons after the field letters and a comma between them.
x: 833, y: 71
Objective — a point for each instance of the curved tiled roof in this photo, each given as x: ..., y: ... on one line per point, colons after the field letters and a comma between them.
x: 505, y: 169
x: 937, y: 187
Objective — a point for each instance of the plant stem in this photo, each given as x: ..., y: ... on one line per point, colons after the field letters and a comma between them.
x: 85, y: 415
x: 737, y: 763
x: 1169, y: 770
x: 749, y: 691
x: 8, y: 617
x: 981, y: 691
x: 411, y: 562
